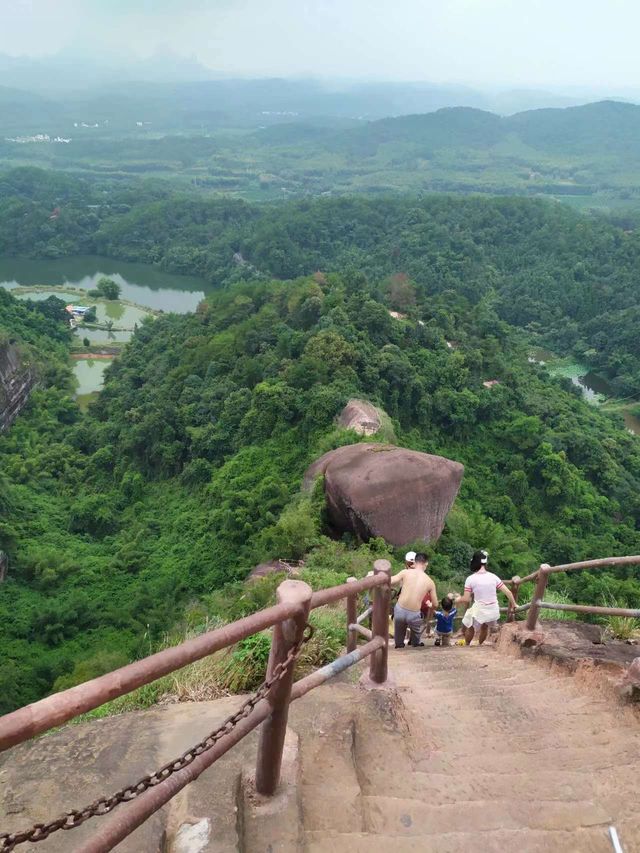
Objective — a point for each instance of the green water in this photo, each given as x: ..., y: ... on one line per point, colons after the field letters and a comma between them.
x: 41, y: 295
x: 140, y: 283
x: 122, y: 316
x: 89, y: 373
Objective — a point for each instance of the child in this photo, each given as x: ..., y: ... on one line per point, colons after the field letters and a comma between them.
x: 444, y: 622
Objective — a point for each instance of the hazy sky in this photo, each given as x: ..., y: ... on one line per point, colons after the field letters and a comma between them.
x: 490, y: 42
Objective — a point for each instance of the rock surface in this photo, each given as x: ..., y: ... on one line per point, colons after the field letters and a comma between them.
x: 375, y: 771
x: 360, y: 416
x: 273, y: 566
x: 16, y: 382
x: 381, y: 490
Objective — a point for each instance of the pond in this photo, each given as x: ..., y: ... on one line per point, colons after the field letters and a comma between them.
x: 594, y: 388
x: 89, y: 374
x: 140, y: 283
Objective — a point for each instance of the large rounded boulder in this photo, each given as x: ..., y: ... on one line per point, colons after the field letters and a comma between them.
x: 381, y: 490
x: 360, y: 416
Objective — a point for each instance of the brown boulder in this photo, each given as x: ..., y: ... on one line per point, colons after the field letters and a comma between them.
x: 360, y: 416
x: 381, y: 490
x: 291, y: 567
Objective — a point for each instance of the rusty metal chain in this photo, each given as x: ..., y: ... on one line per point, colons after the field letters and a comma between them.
x: 40, y: 831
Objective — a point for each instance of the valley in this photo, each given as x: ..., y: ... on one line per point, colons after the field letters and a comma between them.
x: 245, y: 150
x: 134, y: 518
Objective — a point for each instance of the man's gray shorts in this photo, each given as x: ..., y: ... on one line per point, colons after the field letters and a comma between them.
x: 403, y: 619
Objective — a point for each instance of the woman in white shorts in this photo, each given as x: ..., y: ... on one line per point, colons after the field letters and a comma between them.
x: 484, y: 586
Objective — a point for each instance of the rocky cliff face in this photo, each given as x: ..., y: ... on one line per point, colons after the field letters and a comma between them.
x: 16, y: 382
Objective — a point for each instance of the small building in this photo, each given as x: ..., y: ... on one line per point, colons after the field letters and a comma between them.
x: 77, y: 310
x: 490, y: 383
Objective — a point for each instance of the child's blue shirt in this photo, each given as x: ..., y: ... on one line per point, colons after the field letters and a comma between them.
x: 444, y: 621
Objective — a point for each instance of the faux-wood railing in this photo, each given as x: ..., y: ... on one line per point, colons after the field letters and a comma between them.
x: 288, y: 618
x: 541, y: 577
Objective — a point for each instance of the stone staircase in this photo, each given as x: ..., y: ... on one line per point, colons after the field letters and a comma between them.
x: 486, y: 751
x: 472, y: 750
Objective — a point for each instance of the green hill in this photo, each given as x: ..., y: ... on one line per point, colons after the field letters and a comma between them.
x: 147, y: 512
x: 606, y: 127
x: 229, y: 136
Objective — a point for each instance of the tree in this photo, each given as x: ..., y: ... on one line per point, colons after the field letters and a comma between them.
x: 109, y: 288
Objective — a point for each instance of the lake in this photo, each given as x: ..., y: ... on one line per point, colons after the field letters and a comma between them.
x: 140, y: 283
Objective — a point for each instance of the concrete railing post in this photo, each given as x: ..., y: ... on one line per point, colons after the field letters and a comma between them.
x: 272, y: 733
x: 538, y: 595
x: 352, y: 617
x: 515, y: 589
x: 380, y: 623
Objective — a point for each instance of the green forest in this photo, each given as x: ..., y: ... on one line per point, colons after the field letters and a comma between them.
x: 586, y: 156
x: 144, y: 515
x: 568, y: 280
x: 124, y: 522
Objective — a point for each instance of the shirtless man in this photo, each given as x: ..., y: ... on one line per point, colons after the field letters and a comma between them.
x: 416, y: 583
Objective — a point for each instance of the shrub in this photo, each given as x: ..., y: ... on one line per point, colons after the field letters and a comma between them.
x: 620, y: 627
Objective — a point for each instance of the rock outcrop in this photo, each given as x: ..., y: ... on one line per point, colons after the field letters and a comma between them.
x: 16, y: 382
x: 291, y: 567
x: 381, y: 490
x: 360, y: 416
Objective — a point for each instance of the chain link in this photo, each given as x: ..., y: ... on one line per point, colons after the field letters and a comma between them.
x: 40, y: 831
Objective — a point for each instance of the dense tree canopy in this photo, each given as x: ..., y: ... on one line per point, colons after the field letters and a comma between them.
x: 187, y: 469
x: 569, y: 280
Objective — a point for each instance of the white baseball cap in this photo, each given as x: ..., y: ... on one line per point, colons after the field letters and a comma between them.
x: 410, y: 557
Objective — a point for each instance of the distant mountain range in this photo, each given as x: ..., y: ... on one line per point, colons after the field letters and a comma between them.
x: 300, y: 137
x: 176, y: 84
x: 72, y: 72
x: 603, y: 128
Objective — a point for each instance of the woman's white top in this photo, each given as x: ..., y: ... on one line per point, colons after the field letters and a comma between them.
x: 483, y: 585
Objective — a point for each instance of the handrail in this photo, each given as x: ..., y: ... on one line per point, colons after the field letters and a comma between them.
x: 288, y: 619
x: 541, y: 576
x: 625, y: 612
x: 39, y: 717
x: 335, y: 593
x: 119, y: 826
x: 364, y: 615
x: 45, y: 714
x: 596, y: 564
x: 584, y: 564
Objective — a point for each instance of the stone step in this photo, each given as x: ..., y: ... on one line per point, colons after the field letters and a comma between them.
x: 587, y: 760
x: 414, y: 817
x: 536, y: 737
x: 532, y: 841
x: 496, y: 714
x: 443, y: 788
x: 331, y: 795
